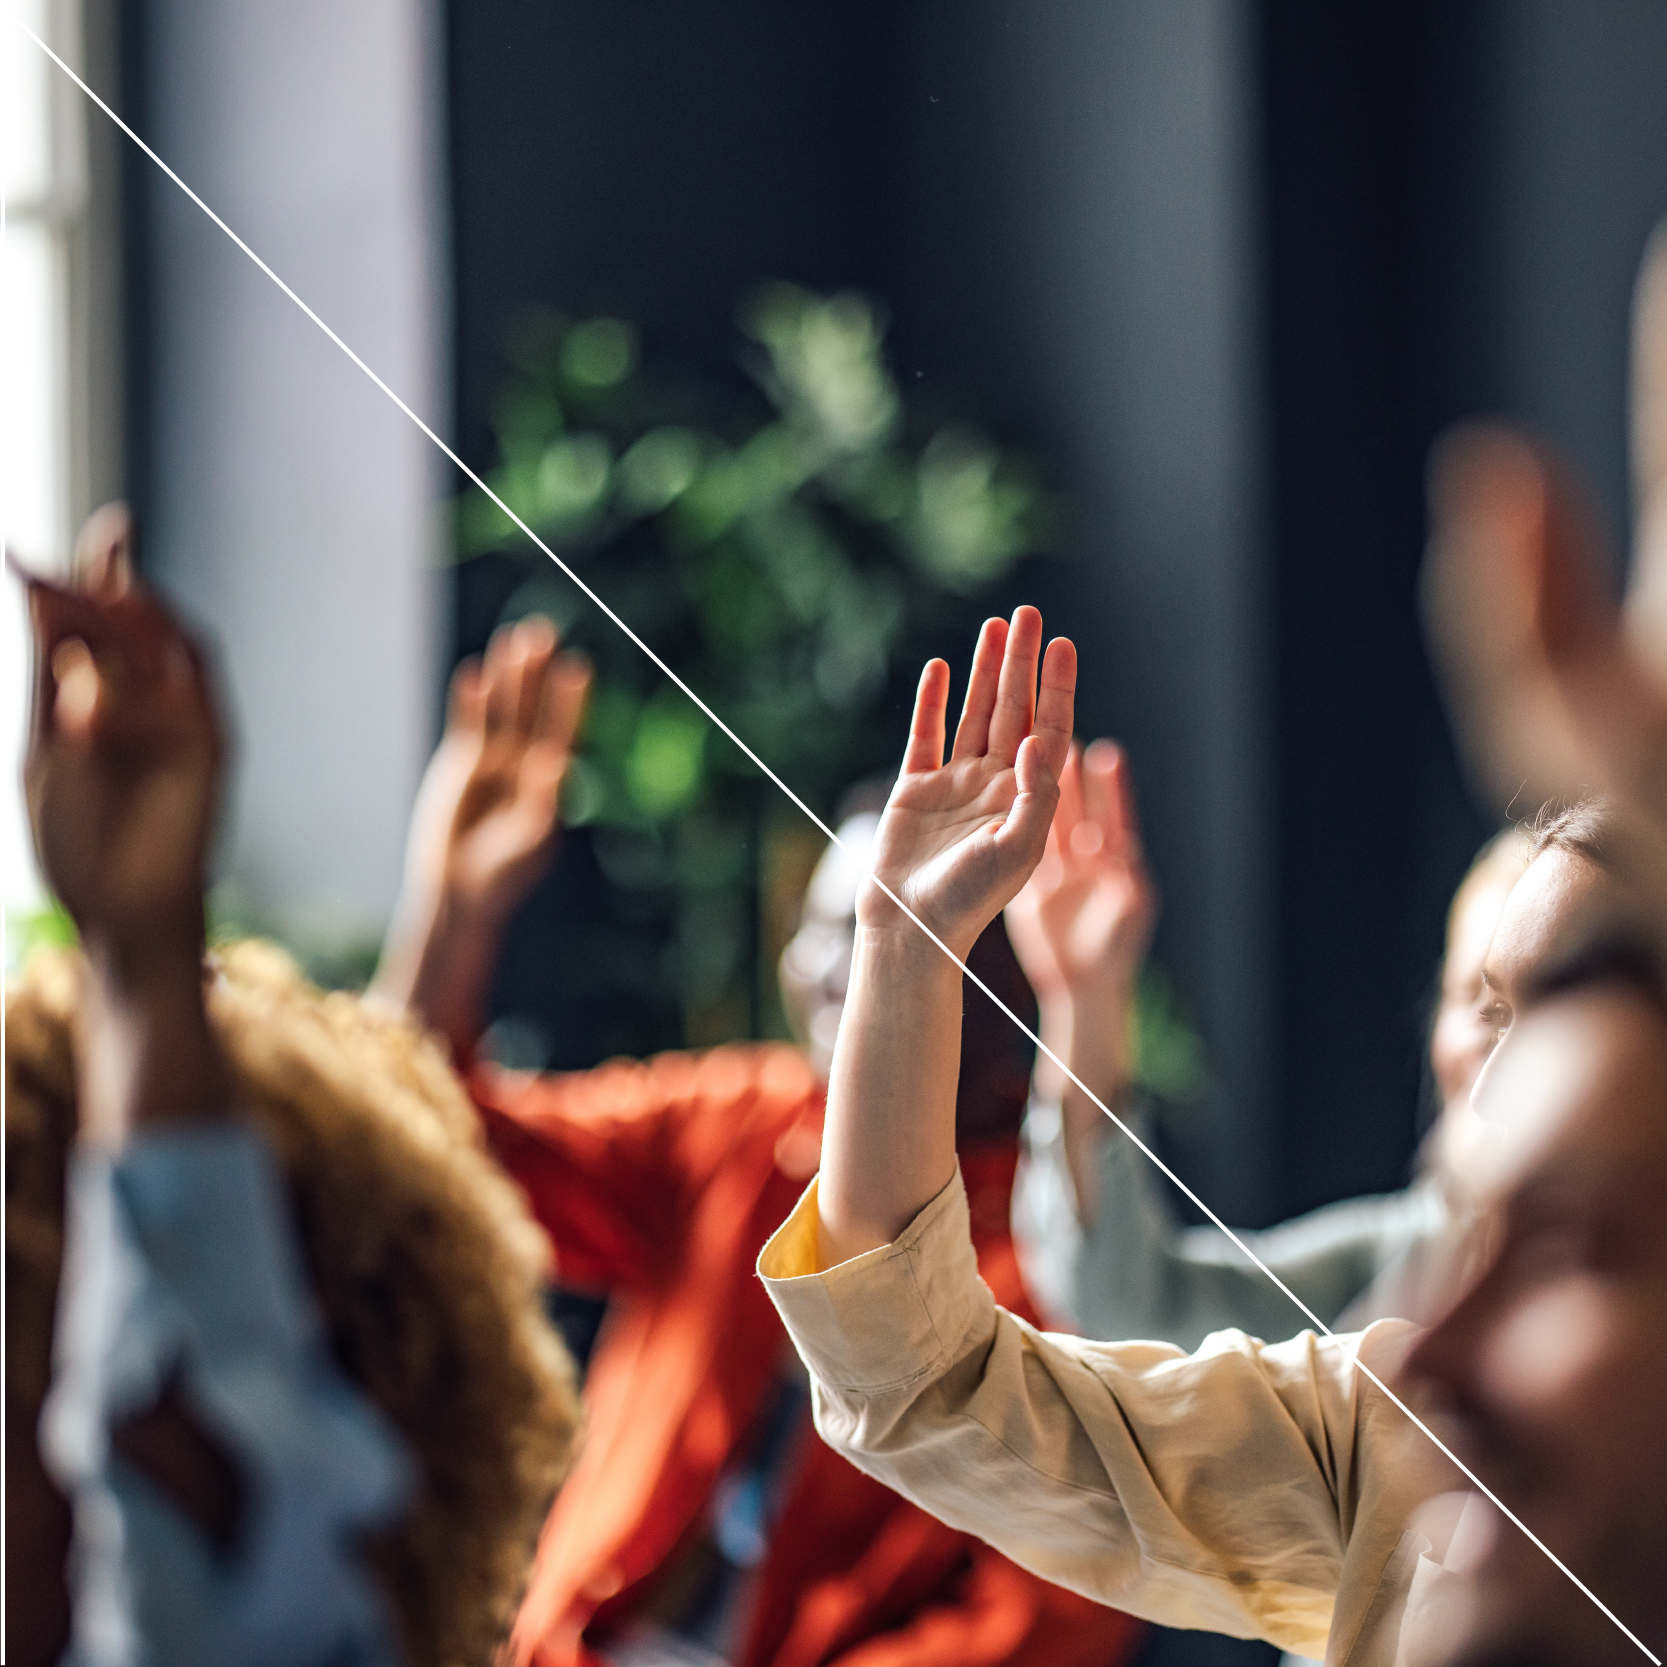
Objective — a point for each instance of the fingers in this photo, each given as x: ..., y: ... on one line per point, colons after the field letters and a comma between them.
x: 1518, y: 612
x: 926, y: 727
x: 126, y: 636
x: 115, y: 663
x: 102, y: 562
x: 1041, y: 756
x: 972, y: 734
x: 77, y: 690
x: 1067, y: 819
x: 1649, y: 371
x: 1109, y: 790
x: 500, y: 676
x: 513, y: 675
x: 565, y: 685
x: 1025, y: 829
x: 466, y: 699
x: 1503, y: 514
x: 65, y: 626
x: 1647, y: 601
x: 535, y: 645
x: 1056, y: 703
x: 1015, y: 701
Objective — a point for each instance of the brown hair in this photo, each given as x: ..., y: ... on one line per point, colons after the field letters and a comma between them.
x: 423, y: 1258
x: 1586, y: 827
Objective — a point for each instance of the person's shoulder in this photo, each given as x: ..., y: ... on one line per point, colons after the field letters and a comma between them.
x: 772, y: 1074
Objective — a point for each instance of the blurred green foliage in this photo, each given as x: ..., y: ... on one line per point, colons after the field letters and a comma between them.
x: 1168, y: 1060
x: 795, y: 552
x: 334, y: 963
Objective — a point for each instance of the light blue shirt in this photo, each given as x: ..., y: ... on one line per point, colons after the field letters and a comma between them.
x: 1137, y: 1272
x: 180, y: 1262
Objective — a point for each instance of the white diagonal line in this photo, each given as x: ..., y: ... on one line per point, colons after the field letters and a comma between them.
x: 834, y: 837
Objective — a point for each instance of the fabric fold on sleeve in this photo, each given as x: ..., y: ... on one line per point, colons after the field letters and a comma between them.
x: 890, y: 1316
x: 1248, y: 1489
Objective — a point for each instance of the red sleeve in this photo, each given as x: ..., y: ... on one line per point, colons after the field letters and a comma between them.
x: 612, y: 1159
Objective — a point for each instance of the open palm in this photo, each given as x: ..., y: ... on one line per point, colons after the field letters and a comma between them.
x: 1084, y: 919
x: 958, y: 839
x: 486, y: 818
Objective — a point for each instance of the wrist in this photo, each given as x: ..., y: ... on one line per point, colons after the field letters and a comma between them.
x: 898, y: 948
x: 161, y: 967
x: 147, y: 1055
x: 437, y: 963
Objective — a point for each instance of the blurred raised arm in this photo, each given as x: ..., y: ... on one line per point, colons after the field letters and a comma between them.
x: 484, y: 826
x: 1081, y: 927
x: 122, y: 777
x: 1557, y: 691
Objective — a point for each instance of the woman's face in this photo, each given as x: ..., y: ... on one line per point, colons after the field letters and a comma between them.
x: 1500, y: 940
x: 1464, y: 1032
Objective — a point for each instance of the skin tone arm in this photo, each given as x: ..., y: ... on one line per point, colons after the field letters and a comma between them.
x: 484, y: 827
x: 956, y: 843
x: 1081, y: 927
x: 122, y: 777
x: 1555, y: 692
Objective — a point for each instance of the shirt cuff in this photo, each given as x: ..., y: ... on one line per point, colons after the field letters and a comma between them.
x: 890, y: 1317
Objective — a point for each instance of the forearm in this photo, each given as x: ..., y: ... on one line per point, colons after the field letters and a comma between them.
x: 147, y: 1055
x: 437, y: 965
x: 888, y: 1146
x: 1097, y: 1031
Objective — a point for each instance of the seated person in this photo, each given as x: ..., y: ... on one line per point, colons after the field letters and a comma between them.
x: 703, y: 1520
x: 1097, y: 1236
x: 1259, y: 1490
x: 282, y: 1312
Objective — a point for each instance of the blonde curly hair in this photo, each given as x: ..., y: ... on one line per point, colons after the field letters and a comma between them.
x: 425, y: 1263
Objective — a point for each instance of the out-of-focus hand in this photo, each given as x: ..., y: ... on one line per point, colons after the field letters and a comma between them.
x: 959, y: 839
x: 1083, y: 922
x: 122, y: 776
x: 123, y: 766
x: 484, y: 827
x: 485, y: 823
x: 1555, y: 690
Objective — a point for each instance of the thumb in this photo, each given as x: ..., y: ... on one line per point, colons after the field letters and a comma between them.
x: 1025, y: 830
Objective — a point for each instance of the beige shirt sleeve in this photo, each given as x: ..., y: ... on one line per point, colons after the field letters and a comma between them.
x: 1255, y: 1490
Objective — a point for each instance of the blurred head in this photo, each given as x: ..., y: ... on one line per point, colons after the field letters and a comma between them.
x: 1528, y: 907
x: 1461, y: 1038
x: 1566, y: 890
x: 816, y: 964
x: 1548, y: 1372
x: 996, y: 1056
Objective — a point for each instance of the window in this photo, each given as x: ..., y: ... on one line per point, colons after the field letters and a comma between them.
x: 59, y: 297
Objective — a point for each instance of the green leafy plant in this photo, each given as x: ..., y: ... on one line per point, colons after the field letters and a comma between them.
x: 344, y: 963
x: 795, y: 555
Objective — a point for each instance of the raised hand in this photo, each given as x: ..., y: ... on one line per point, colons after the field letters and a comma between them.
x: 485, y: 823
x: 1083, y: 921
x: 959, y: 839
x: 123, y: 766
x: 1555, y: 690
x: 122, y: 777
